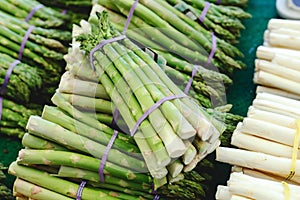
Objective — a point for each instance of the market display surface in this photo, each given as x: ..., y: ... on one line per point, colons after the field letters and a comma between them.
x: 126, y: 99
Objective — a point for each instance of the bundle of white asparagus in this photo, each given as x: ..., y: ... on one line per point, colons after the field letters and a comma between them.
x: 266, y: 162
x: 278, y: 59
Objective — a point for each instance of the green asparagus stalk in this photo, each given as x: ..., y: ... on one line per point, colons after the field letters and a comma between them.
x: 61, y: 186
x: 34, y: 142
x: 58, y: 134
x: 66, y: 158
x: 36, y: 192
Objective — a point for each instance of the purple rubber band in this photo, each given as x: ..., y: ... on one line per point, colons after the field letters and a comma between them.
x: 80, y: 189
x: 213, y: 48
x: 156, y: 197
x: 134, y: 5
x: 151, y: 109
x: 33, y: 11
x: 204, y: 12
x: 25, y: 38
x: 108, y: 147
x: 5, y: 82
x: 218, y: 2
x: 189, y: 84
x: 121, y: 37
x: 64, y: 11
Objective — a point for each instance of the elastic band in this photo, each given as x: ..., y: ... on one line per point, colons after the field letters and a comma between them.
x: 108, y: 147
x: 295, y: 151
x: 213, y: 48
x: 151, y: 109
x: 189, y: 84
x: 5, y: 82
x: 80, y: 189
x: 286, y: 191
x: 37, y: 7
x: 204, y: 12
x: 121, y: 37
x: 64, y: 11
x: 156, y: 197
x: 218, y: 2
x: 25, y: 38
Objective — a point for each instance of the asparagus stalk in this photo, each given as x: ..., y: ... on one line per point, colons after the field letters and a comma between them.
x: 66, y: 158
x: 34, y: 142
x: 53, y: 183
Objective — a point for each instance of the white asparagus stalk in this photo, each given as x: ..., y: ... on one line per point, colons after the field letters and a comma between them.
x: 282, y: 40
x: 237, y: 197
x: 283, y: 31
x: 223, y: 193
x: 292, y: 63
x: 261, y: 89
x: 258, y: 144
x: 284, y: 23
x: 269, y: 131
x: 266, y: 66
x: 271, y: 117
x: 276, y: 108
x: 179, y: 177
x: 260, y: 189
x: 271, y: 80
x: 259, y: 161
x: 279, y: 99
x: 268, y: 53
x: 260, y: 174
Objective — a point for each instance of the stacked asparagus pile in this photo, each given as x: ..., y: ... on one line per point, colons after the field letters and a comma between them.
x: 5, y: 192
x: 277, y: 66
x: 239, y: 3
x: 183, y: 42
x: 268, y: 137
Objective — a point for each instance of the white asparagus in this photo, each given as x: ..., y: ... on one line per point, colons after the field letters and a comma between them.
x: 283, y: 31
x: 271, y: 80
x: 281, y: 71
x: 282, y: 40
x: 190, y: 153
x: 260, y: 174
x: 223, y: 193
x: 268, y: 53
x: 261, y: 89
x: 260, y: 189
x: 271, y: 117
x: 269, y: 131
x: 259, y: 161
x: 259, y: 144
x: 175, y: 168
x: 276, y: 108
x: 237, y: 197
x: 292, y: 63
x: 279, y: 99
x: 284, y: 23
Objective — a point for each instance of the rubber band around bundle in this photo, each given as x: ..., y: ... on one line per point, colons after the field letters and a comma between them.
x: 295, y: 151
x: 154, y: 192
x: 5, y: 82
x: 286, y: 191
x: 80, y: 189
x: 204, y: 12
x: 218, y: 2
x: 25, y: 38
x: 121, y: 37
x: 108, y: 147
x: 33, y: 10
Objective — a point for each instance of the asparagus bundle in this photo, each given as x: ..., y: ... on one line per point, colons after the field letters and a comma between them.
x: 240, y: 3
x: 5, y: 192
x: 23, y: 82
x: 14, y: 118
x: 43, y: 16
x: 223, y: 20
x: 162, y: 25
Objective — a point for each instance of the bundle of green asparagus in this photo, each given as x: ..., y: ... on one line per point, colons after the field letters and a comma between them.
x: 14, y: 117
x: 222, y: 20
x: 161, y: 27
x: 24, y: 80
x: 240, y: 3
x: 5, y: 192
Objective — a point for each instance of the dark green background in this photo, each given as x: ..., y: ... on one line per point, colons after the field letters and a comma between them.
x: 240, y: 94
